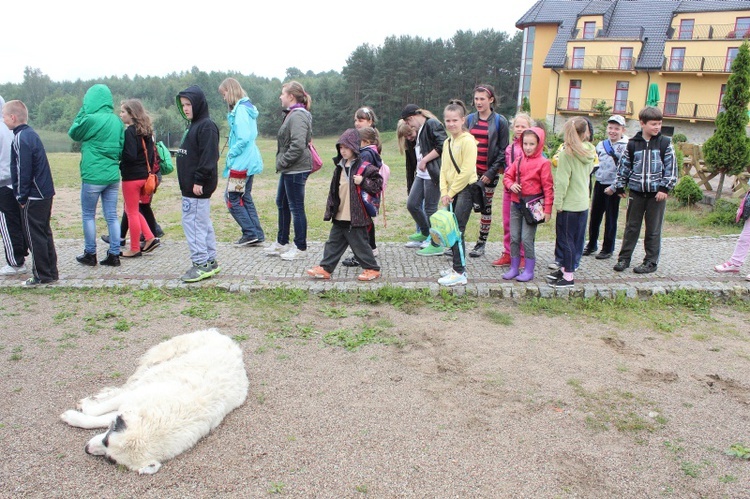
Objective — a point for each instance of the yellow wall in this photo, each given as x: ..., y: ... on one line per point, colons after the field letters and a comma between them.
x: 726, y: 17
x: 604, y: 48
x: 599, y: 20
x: 541, y: 76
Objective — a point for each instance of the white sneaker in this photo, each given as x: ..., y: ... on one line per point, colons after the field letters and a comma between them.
x: 275, y: 249
x: 375, y: 252
x: 11, y: 270
x: 553, y: 266
x: 424, y: 244
x: 445, y: 272
x: 453, y: 279
x: 413, y: 244
x: 291, y: 254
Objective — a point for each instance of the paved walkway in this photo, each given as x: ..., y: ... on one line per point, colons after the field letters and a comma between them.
x: 686, y: 263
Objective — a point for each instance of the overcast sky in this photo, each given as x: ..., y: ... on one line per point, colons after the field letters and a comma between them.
x: 85, y: 39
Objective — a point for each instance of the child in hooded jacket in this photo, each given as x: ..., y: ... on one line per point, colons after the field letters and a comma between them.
x: 345, y: 209
x: 521, y: 122
x: 528, y: 175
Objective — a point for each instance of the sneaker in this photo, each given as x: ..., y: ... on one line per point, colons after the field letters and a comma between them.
x: 198, y: 272
x: 111, y: 260
x: 562, y: 283
x: 431, y: 250
x: 604, y: 255
x: 424, y: 244
x: 448, y: 252
x: 502, y: 261
x: 453, y: 279
x: 375, y: 252
x: 477, y: 251
x: 318, y: 272
x: 368, y: 275
x: 150, y: 245
x: 418, y: 237
x: 621, y: 265
x: 87, y: 259
x: 588, y: 250
x: 554, y: 266
x: 275, y: 249
x: 413, y: 244
x: 554, y: 276
x: 35, y: 281
x: 245, y: 240
x: 215, y: 269
x: 724, y: 267
x: 292, y: 254
x: 350, y: 262
x: 11, y: 270
x: 446, y: 272
x: 645, y: 268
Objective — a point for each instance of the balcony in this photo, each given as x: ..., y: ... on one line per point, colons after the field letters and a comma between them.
x: 707, y: 32
x: 592, y: 106
x: 597, y: 63
x: 689, y: 111
x: 697, y: 64
x: 625, y: 33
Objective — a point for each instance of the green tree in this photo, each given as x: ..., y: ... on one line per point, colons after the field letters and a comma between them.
x: 727, y: 151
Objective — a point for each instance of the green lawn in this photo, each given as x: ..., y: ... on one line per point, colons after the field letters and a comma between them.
x: 167, y: 206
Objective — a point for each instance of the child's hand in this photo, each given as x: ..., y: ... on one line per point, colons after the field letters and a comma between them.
x: 358, y: 179
x: 516, y: 188
x: 446, y: 200
x: 547, y: 217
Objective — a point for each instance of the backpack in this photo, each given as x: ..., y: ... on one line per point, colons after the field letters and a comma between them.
x: 444, y: 229
x: 371, y: 202
x: 607, y: 145
x: 164, y: 158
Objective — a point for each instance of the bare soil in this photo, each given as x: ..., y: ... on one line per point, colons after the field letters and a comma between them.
x: 463, y: 399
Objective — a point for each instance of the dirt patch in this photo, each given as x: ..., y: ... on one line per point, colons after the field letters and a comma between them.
x: 350, y: 399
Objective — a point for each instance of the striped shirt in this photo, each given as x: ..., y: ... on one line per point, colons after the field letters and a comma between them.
x: 480, y: 133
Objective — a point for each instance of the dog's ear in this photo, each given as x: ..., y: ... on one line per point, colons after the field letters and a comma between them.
x: 119, y: 424
x: 150, y: 468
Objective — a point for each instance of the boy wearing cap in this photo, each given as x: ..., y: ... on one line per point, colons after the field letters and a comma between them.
x: 647, y: 169
x: 604, y: 205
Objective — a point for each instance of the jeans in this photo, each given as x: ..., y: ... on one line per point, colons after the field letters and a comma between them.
x: 242, y: 209
x: 522, y: 234
x: 462, y: 207
x: 90, y: 194
x: 290, y: 200
x: 422, y: 202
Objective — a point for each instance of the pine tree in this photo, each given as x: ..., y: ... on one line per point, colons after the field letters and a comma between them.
x: 727, y: 151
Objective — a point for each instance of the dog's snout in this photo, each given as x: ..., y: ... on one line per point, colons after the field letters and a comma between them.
x: 86, y: 449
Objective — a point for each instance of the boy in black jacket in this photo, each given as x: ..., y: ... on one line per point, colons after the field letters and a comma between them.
x: 197, y: 173
x: 34, y: 190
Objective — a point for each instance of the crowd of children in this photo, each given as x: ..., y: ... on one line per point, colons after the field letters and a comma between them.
x: 454, y: 164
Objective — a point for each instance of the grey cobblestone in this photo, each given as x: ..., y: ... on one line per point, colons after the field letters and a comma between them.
x: 686, y: 263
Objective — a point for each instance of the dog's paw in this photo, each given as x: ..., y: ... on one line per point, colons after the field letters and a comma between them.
x: 150, y: 468
x: 72, y: 417
x: 85, y: 405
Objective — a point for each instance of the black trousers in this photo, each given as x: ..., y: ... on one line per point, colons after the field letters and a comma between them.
x: 642, y: 208
x: 342, y: 236
x: 36, y: 220
x: 607, y: 207
x: 11, y: 228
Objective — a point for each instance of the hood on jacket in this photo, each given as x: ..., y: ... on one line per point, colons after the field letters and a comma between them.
x: 98, y: 98
x: 245, y: 102
x: 350, y: 140
x: 197, y: 98
x: 540, y: 142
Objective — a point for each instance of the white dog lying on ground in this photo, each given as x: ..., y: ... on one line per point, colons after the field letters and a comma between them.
x: 181, y: 391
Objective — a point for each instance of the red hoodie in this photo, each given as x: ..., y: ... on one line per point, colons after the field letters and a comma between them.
x: 536, y: 174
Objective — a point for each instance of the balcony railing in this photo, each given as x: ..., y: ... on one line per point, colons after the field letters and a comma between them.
x: 600, y: 63
x: 592, y: 106
x: 630, y: 33
x: 686, y: 110
x: 697, y: 64
x: 707, y: 32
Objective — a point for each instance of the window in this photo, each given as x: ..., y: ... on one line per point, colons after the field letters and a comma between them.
x: 589, y: 30
x: 578, y: 55
x: 686, y: 29
x: 671, y: 99
x: 527, y: 62
x: 621, y: 97
x: 721, y: 98
x: 677, y: 60
x: 574, y: 95
x: 731, y: 55
x: 742, y: 27
x: 626, y: 58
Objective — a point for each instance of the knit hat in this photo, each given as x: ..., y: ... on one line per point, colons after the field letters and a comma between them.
x: 409, y: 110
x: 350, y: 140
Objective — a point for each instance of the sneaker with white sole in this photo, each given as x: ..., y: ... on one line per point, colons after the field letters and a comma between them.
x: 292, y: 254
x: 11, y: 270
x: 445, y: 272
x: 724, y: 267
x: 431, y: 250
x: 554, y: 266
x: 413, y: 244
x: 453, y: 279
x: 275, y: 249
x: 418, y: 236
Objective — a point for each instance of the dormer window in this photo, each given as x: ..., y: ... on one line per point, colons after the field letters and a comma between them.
x: 589, y: 30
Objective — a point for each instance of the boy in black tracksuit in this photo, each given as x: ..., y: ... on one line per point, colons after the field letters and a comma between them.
x: 34, y: 190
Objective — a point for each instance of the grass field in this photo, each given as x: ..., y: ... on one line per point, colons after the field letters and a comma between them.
x: 394, y: 224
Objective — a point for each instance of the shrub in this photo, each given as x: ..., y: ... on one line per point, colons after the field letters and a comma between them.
x: 687, y: 191
x: 724, y: 213
x: 679, y: 138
